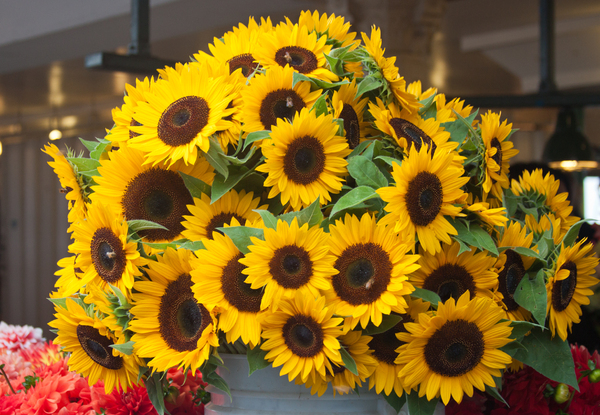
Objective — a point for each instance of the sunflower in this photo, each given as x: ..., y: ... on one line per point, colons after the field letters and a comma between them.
x: 103, y: 252
x: 305, y: 160
x: 416, y: 89
x: 69, y: 277
x: 389, y: 71
x: 457, y: 349
x: 489, y: 216
x: 569, y: 288
x: 70, y: 183
x: 451, y: 275
x: 303, y: 337
x: 511, y: 267
x: 347, y: 106
x: 384, y: 346
x: 88, y: 340
x: 410, y: 129
x: 426, y: 187
x: 270, y: 97
x: 218, y: 279
x: 499, y: 150
x: 547, y: 222
x: 156, y: 194
x: 171, y: 327
x: 445, y: 110
x: 290, y: 259
x: 181, y: 114
x: 207, y: 217
x: 120, y: 134
x: 371, y: 268
x: 293, y: 45
x: 332, y: 26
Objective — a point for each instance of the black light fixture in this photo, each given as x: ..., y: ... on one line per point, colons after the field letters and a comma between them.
x: 568, y: 149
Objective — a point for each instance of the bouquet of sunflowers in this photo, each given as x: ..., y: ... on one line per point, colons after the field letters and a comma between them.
x: 289, y: 196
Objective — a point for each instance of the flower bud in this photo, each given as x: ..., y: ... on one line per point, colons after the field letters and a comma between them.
x: 594, y: 377
x: 561, y: 393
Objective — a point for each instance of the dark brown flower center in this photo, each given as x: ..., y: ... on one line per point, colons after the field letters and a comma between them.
x: 351, y: 125
x: 304, y: 160
x: 303, y: 335
x: 219, y: 220
x: 133, y: 123
x: 159, y: 196
x: 108, y: 256
x: 498, y: 156
x: 384, y: 345
x: 291, y: 266
x: 510, y: 277
x: 282, y: 103
x: 181, y: 318
x: 237, y: 292
x: 450, y: 280
x: 302, y: 60
x: 245, y: 62
x: 413, y: 134
x: 98, y: 347
x: 364, y: 272
x: 424, y: 198
x: 181, y: 122
x: 563, y: 290
x: 455, y: 349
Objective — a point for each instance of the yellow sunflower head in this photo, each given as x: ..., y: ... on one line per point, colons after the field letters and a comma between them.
x: 426, y: 187
x: 171, y: 327
x: 445, y: 110
x: 456, y: 349
x: 569, y: 287
x: 305, y: 160
x: 69, y: 277
x: 332, y: 26
x: 291, y: 259
x: 347, y: 106
x: 371, y: 268
x: 416, y: 89
x: 303, y: 337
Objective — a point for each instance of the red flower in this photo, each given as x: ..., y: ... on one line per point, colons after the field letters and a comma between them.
x: 11, y: 404
x: 474, y: 405
x: 181, y: 401
x: 50, y: 394
x: 524, y: 393
x: 587, y: 400
x: 132, y: 402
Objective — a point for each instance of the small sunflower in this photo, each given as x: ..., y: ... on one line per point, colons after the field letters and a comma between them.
x: 547, y: 222
x: 171, y: 327
x: 120, y: 134
x: 305, y: 160
x: 416, y: 89
x: 303, y: 337
x: 498, y: 153
x: 290, y: 259
x: 371, y: 268
x: 457, y: 349
x: 181, y: 114
x: 103, y: 252
x: 69, y: 277
x: 332, y: 26
x: 218, y: 279
x: 207, y: 217
x: 157, y: 194
x: 293, y: 45
x: 445, y: 110
x: 569, y: 288
x: 426, y: 187
x: 347, y: 106
x: 270, y: 97
x: 88, y: 340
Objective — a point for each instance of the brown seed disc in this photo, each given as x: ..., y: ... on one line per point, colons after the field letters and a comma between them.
x: 98, y: 347
x: 455, y: 349
x: 364, y: 272
x: 282, y: 103
x: 219, y: 220
x: 291, y: 266
x: 302, y: 60
x: 413, y: 134
x: 562, y: 291
x: 303, y: 335
x: 351, y: 125
x: 304, y: 160
x: 510, y: 277
x: 498, y: 156
x: 183, y: 120
x: 133, y: 134
x: 236, y: 290
x: 244, y: 61
x: 159, y: 196
x: 450, y: 280
x: 181, y: 318
x: 424, y: 198
x: 108, y: 256
x: 384, y: 345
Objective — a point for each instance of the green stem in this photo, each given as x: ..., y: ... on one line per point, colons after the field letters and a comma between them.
x: 6, y: 377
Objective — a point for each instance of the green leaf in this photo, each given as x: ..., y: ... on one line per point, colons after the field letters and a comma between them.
x: 268, y: 218
x: 89, y: 173
x: 253, y: 182
x: 155, y: 392
x: 572, y: 233
x: 531, y: 295
x: 348, y: 360
x: 320, y: 105
x: 387, y: 322
x: 61, y: 302
x: 84, y: 164
x: 256, y: 136
x: 256, y: 359
x: 484, y: 240
x: 90, y: 145
x: 493, y: 392
x: 549, y: 356
x: 359, y: 149
x: 353, y: 198
x: 195, y: 186
x: 459, y: 129
x: 222, y: 185
x: 368, y: 84
x: 218, y: 382
x: 142, y: 372
x: 214, y: 155
x: 161, y: 246
x: 426, y: 295
x: 126, y: 348
x: 192, y: 245
x: 395, y: 401
x: 521, y: 250
x: 512, y: 348
x: 390, y: 161
x: 240, y: 235
x: 136, y: 225
x: 311, y: 214
x: 240, y: 161
x: 420, y: 405
x: 336, y: 65
x: 99, y: 150
x: 298, y: 77
x: 119, y: 294
x: 521, y: 328
x: 366, y: 173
